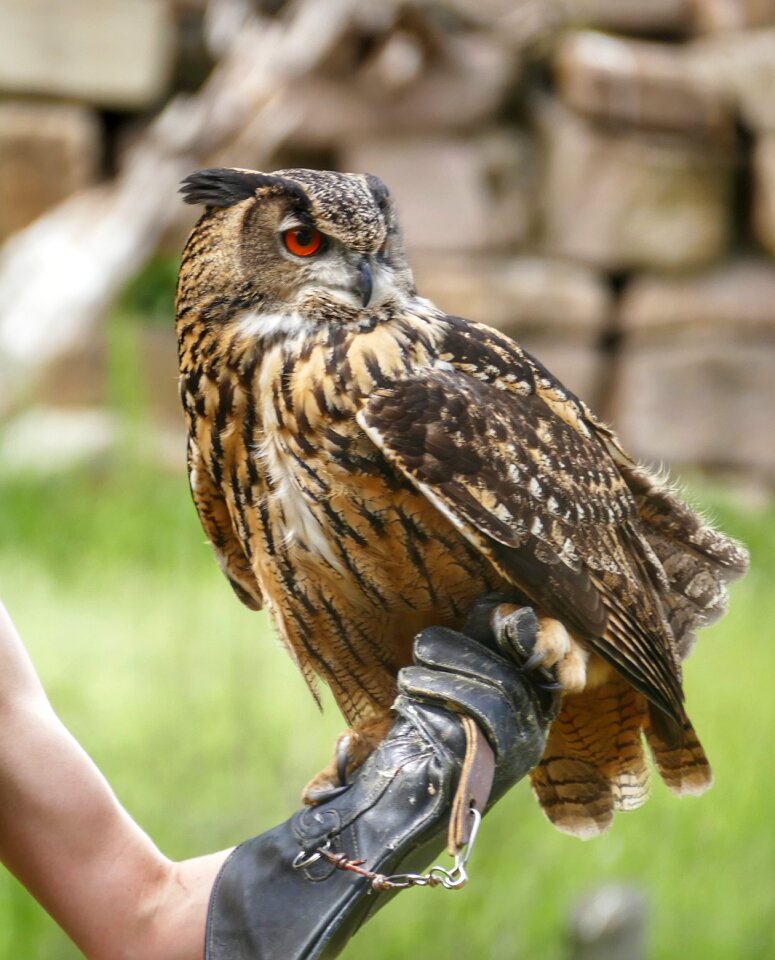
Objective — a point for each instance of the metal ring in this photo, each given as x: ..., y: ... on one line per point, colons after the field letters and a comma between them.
x: 304, y: 859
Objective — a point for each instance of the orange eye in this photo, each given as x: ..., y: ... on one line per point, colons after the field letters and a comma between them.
x: 303, y: 241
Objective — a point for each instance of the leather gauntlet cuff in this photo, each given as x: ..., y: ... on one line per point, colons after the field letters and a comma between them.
x: 263, y: 907
x: 278, y: 897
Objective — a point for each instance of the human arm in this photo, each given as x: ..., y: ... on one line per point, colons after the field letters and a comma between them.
x: 302, y: 889
x: 65, y: 836
x: 68, y: 840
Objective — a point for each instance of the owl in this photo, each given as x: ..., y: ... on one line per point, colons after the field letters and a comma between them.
x: 365, y: 465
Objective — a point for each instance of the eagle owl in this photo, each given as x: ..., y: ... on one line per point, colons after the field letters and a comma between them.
x: 365, y: 465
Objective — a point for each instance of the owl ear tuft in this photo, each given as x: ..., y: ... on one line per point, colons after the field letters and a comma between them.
x: 223, y: 186
x: 379, y: 191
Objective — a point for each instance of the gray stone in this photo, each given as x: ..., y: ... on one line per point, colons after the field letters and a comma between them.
x: 736, y: 297
x: 720, y: 16
x: 708, y: 404
x: 47, y: 152
x: 624, y: 200
x: 763, y: 213
x: 117, y: 54
x: 523, y: 25
x: 741, y: 68
x: 640, y: 83
x: 632, y: 16
x: 557, y: 310
x: 696, y: 376
x: 609, y: 924
x: 79, y: 377
x: 47, y: 440
x: 463, y: 87
x: 158, y: 350
x: 455, y: 194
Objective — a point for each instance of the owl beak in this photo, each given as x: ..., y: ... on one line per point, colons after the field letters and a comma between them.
x: 365, y: 281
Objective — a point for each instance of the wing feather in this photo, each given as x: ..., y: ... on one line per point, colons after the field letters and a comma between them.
x: 219, y: 529
x: 541, y: 497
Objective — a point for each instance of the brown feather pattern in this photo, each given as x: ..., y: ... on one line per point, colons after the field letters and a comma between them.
x: 366, y: 472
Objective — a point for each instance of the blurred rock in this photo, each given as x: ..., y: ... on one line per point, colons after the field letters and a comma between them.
x: 632, y: 16
x: 735, y: 297
x: 46, y: 440
x: 463, y: 86
x: 77, y: 378
x: 718, y: 16
x: 193, y: 61
x: 609, y: 924
x: 118, y: 54
x: 639, y: 83
x: 741, y: 68
x: 455, y: 194
x: 524, y: 25
x: 763, y: 212
x: 158, y: 349
x: 47, y: 152
x: 558, y: 310
x: 696, y: 376
x: 396, y: 65
x: 59, y: 276
x: 631, y: 200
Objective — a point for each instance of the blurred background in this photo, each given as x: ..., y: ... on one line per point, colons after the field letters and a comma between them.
x: 595, y: 177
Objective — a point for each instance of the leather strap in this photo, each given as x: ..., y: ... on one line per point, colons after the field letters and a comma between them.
x: 473, y: 789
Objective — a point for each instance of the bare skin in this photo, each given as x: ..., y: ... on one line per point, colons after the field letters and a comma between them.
x: 66, y: 837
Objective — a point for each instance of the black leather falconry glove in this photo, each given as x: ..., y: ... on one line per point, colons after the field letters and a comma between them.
x: 301, y: 890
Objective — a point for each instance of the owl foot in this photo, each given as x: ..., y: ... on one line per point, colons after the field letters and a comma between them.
x: 352, y: 748
x: 550, y: 649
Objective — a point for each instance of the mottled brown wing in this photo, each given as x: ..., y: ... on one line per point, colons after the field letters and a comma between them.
x: 543, y: 501
x: 698, y: 560
x: 219, y: 529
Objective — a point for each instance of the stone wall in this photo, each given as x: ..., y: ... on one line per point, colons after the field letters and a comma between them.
x: 596, y: 177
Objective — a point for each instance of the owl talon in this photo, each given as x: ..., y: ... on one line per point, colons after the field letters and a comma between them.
x: 314, y: 798
x: 535, y: 660
x: 543, y: 645
x: 517, y: 630
x: 352, y: 749
x: 479, y: 624
x: 549, y: 687
x: 342, y: 758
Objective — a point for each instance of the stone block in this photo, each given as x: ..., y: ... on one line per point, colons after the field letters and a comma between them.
x: 741, y: 68
x: 557, y: 310
x: 625, y: 200
x: 46, y: 440
x: 735, y: 297
x: 74, y: 393
x: 632, y: 16
x: 763, y: 213
x: 47, y: 152
x: 118, y: 54
x: 640, y: 83
x: 720, y: 16
x: 463, y: 87
x: 455, y: 194
x: 78, y: 378
x: 158, y: 355
x: 696, y: 377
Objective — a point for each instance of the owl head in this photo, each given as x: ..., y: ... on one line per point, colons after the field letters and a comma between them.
x: 278, y: 251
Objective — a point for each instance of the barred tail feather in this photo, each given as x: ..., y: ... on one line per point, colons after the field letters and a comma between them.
x: 594, y: 762
x: 573, y: 794
x: 682, y: 764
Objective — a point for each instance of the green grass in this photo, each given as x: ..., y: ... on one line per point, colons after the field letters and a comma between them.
x: 201, y: 723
